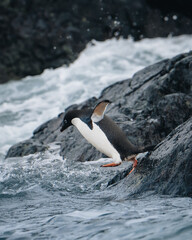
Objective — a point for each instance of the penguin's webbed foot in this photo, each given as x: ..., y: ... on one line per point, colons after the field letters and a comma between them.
x: 134, y: 165
x: 111, y: 164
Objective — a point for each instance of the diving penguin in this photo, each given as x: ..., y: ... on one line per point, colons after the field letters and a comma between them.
x: 103, y: 133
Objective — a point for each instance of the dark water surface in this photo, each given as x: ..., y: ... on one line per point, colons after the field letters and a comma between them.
x: 46, y: 197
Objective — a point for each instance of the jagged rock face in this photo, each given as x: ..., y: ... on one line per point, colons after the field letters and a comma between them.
x: 41, y: 34
x: 167, y: 170
x: 149, y: 108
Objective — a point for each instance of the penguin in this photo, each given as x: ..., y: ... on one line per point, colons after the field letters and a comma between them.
x: 103, y: 133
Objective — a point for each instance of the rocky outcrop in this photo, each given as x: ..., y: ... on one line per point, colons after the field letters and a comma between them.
x: 154, y: 107
x: 167, y: 170
x: 41, y: 34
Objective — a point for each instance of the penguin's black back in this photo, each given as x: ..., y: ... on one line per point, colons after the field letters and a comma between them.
x: 117, y: 138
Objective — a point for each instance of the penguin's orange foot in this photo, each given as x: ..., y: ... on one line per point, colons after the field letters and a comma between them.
x: 134, y: 166
x: 131, y: 171
x: 111, y: 164
x: 135, y: 163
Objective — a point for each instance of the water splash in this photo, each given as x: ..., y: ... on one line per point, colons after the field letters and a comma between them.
x: 26, y: 104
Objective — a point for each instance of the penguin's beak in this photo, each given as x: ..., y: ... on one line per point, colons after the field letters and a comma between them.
x: 64, y: 126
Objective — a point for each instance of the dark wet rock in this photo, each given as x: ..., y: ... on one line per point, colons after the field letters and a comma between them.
x: 40, y: 34
x: 27, y: 147
x: 167, y: 170
x: 154, y: 107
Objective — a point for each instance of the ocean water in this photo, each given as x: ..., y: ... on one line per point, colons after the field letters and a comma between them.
x: 43, y: 196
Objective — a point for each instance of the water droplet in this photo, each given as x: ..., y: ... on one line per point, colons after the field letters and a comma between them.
x: 116, y: 23
x: 175, y: 17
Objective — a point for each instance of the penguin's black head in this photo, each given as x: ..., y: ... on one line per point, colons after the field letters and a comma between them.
x: 84, y: 115
x: 67, y: 119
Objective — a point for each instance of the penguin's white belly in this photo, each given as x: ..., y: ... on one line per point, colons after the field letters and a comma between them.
x: 97, y: 138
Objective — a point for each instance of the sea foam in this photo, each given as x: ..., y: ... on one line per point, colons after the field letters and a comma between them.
x: 26, y: 104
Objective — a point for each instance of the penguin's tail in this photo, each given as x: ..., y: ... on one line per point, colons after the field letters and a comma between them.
x: 147, y: 148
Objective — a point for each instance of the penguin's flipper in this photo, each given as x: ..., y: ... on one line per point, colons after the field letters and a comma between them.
x: 99, y: 111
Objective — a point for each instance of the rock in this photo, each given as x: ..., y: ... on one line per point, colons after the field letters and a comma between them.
x: 167, y: 170
x: 40, y: 34
x: 154, y: 107
x: 27, y: 147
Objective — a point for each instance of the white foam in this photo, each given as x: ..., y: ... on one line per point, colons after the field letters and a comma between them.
x: 99, y: 161
x: 26, y: 104
x: 89, y: 214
